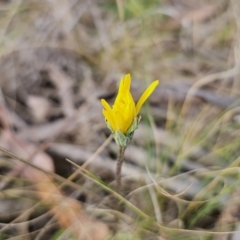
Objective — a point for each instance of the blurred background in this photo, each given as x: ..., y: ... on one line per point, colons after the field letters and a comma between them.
x: 180, y: 174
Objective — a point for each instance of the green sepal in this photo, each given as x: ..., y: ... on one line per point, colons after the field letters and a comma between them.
x: 121, y: 139
x: 134, y: 125
x: 124, y: 139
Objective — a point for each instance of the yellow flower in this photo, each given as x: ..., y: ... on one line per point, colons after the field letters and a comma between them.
x: 124, y: 113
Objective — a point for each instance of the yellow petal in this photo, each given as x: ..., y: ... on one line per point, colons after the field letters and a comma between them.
x: 120, y: 91
x: 127, y: 83
x: 119, y: 121
x: 105, y: 105
x: 132, y: 107
x: 110, y: 118
x: 129, y: 117
x: 120, y: 88
x: 145, y: 95
x: 124, y: 87
x: 128, y: 98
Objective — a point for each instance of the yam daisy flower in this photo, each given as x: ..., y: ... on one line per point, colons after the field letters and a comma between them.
x: 122, y: 118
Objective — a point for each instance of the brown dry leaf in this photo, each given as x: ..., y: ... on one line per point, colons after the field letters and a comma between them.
x: 229, y: 216
x: 199, y: 15
x: 39, y: 107
x: 64, y: 86
x: 47, y: 131
x: 68, y: 212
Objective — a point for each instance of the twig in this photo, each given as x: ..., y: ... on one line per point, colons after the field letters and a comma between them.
x: 204, y: 81
x: 88, y: 174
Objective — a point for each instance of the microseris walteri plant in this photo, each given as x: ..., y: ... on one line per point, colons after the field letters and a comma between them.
x: 123, y: 117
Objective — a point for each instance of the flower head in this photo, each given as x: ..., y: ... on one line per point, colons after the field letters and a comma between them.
x: 122, y: 118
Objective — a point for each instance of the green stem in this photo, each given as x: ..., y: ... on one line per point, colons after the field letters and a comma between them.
x: 118, y: 169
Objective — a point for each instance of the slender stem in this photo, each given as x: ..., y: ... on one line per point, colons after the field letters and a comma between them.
x: 118, y: 169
